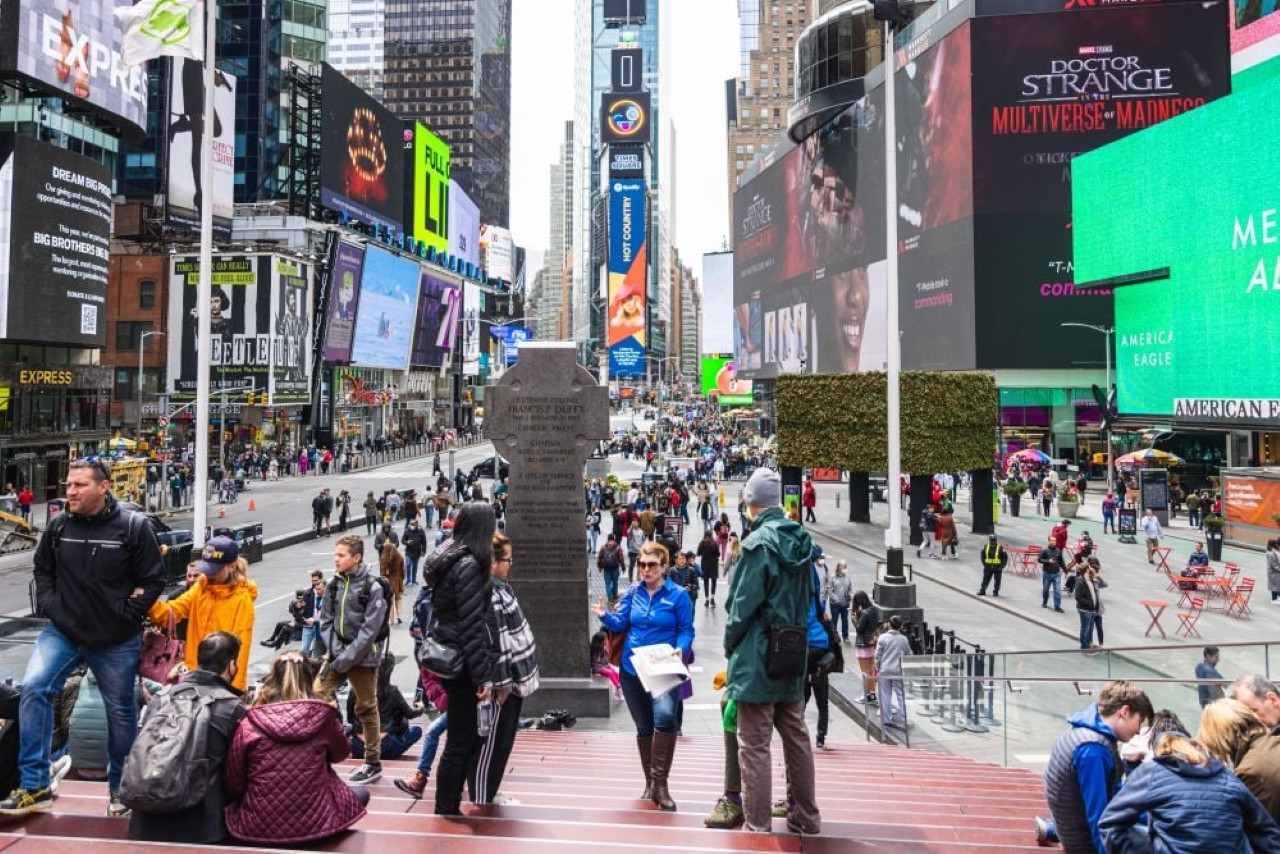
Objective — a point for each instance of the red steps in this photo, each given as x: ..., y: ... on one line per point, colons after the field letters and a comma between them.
x: 577, y: 790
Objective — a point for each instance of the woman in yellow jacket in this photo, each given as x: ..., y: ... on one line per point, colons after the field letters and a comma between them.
x: 221, y: 600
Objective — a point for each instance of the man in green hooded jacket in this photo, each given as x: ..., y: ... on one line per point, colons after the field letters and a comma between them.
x: 772, y: 585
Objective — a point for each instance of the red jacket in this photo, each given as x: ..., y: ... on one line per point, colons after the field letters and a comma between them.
x: 1060, y: 535
x: 278, y: 776
x: 810, y: 496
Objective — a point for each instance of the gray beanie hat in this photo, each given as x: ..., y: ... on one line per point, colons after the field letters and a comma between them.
x: 763, y: 489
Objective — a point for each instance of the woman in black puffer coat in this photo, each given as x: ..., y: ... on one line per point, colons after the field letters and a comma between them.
x: 458, y: 574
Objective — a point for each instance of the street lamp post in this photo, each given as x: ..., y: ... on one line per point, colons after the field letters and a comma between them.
x: 142, y: 343
x: 1106, y: 331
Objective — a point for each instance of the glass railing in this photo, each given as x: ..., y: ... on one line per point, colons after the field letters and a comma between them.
x: 1008, y: 708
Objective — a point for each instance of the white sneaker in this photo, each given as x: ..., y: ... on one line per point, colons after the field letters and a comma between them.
x: 57, y: 770
x: 505, y: 799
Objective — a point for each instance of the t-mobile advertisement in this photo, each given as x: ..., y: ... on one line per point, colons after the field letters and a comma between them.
x: 344, y: 296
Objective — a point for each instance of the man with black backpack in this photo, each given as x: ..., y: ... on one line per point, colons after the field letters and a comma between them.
x: 173, y: 775
x: 355, y: 626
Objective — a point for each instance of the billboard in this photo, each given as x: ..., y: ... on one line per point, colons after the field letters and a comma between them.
x: 628, y: 277
x: 361, y: 154
x: 499, y: 251
x: 386, y: 310
x: 626, y: 161
x: 464, y: 224
x: 1198, y: 346
x: 511, y: 337
x: 436, y: 330
x: 719, y: 380
x: 1255, y: 22
x: 71, y: 48
x: 624, y: 117
x: 187, y: 139
x: 344, y: 296
x: 260, y: 327
x: 716, y: 329
x: 470, y: 329
x: 624, y: 11
x: 626, y: 68
x: 428, y: 194
x: 55, y: 229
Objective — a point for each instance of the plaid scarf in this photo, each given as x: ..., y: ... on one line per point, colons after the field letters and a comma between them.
x: 518, y: 651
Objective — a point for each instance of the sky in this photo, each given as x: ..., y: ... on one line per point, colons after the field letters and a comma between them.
x: 701, y: 55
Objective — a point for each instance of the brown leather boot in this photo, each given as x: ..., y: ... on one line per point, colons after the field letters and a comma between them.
x: 645, y: 746
x: 664, y: 749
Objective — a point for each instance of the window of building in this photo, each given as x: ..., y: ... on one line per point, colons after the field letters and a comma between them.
x: 764, y: 112
x: 125, y: 387
x: 129, y: 333
x: 146, y: 294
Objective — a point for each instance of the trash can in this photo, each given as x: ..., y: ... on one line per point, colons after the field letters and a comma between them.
x: 248, y: 539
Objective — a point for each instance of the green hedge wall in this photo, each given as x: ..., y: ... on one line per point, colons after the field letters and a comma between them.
x: 949, y: 421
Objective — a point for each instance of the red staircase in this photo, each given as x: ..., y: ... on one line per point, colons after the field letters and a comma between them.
x: 577, y: 790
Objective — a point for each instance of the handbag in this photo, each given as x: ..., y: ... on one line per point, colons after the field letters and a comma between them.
x: 159, y: 652
x: 439, y: 658
x: 834, y: 649
x: 787, y: 653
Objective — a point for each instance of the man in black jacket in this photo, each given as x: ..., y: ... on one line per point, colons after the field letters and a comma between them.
x: 1051, y: 567
x: 97, y: 571
x: 204, y: 823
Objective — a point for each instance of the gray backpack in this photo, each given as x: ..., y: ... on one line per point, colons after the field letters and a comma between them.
x: 169, y: 769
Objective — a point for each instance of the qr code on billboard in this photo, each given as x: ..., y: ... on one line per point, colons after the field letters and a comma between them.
x: 88, y: 320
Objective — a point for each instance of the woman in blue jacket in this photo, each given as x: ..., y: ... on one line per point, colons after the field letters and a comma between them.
x: 1195, y: 805
x: 655, y: 610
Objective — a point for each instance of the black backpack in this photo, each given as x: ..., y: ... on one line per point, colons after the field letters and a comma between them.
x: 611, y: 558
x: 168, y: 768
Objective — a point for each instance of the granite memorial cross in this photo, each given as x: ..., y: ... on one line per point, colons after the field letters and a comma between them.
x: 546, y: 415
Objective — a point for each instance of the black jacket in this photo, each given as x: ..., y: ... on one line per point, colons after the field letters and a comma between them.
x: 415, y: 542
x: 203, y: 823
x: 463, y: 603
x: 865, y: 626
x: 1051, y: 559
x: 86, y: 568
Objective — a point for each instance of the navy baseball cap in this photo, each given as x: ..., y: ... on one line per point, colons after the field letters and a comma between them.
x: 218, y: 553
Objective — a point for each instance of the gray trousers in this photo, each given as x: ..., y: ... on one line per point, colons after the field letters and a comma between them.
x: 756, y: 723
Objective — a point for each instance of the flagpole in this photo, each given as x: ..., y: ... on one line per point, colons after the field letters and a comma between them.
x: 204, y: 287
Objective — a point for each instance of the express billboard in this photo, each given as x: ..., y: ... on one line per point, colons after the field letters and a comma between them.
x: 436, y: 329
x: 260, y: 326
x: 187, y: 139
x: 387, y: 308
x: 71, y: 48
x: 55, y: 230
x: 719, y: 380
x: 361, y: 154
x: 428, y: 194
x: 1199, y: 345
x: 628, y: 277
x: 344, y: 296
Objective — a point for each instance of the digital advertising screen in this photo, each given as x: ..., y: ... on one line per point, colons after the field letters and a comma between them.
x: 187, y: 139
x: 361, y: 154
x: 387, y: 309
x: 720, y: 381
x: 428, y: 157
x: 716, y: 329
x: 624, y: 117
x: 240, y: 349
x: 71, y: 48
x: 1255, y: 21
x: 498, y: 251
x: 628, y: 277
x: 55, y: 231
x: 626, y: 161
x: 344, y: 297
x: 1198, y: 346
x: 464, y: 224
x: 470, y: 329
x: 291, y: 346
x: 439, y: 312
x: 624, y: 11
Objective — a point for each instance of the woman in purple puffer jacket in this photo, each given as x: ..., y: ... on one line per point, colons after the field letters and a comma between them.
x: 278, y: 773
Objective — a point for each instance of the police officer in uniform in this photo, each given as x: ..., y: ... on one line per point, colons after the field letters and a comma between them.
x: 994, y: 559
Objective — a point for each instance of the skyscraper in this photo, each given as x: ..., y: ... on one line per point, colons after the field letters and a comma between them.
x: 356, y: 41
x: 448, y: 64
x: 551, y: 319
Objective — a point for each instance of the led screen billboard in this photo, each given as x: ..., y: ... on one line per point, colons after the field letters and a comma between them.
x: 344, y: 296
x: 623, y: 11
x: 628, y: 277
x: 386, y: 310
x: 624, y: 117
x: 470, y: 329
x: 498, y: 251
x: 719, y: 380
x: 716, y: 328
x: 464, y: 224
x: 626, y: 161
x: 261, y: 327
x: 71, y: 48
x: 186, y: 144
x: 439, y: 311
x: 55, y: 230
x: 1199, y: 346
x: 428, y: 193
x: 1255, y: 22
x: 361, y: 154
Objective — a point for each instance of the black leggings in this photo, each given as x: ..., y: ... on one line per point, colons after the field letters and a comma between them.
x: 709, y: 586
x: 461, y: 744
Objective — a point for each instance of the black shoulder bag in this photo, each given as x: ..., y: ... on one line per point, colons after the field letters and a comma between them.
x: 832, y: 661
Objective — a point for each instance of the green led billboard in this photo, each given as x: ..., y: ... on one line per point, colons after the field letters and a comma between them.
x: 1199, y: 194
x: 430, y: 222
x: 719, y: 379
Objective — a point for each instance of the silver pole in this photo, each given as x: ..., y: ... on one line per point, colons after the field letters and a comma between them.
x: 893, y: 538
x: 204, y: 287
x: 1106, y: 398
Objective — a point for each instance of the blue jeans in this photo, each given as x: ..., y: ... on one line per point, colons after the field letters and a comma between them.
x: 431, y: 743
x: 593, y: 540
x: 1048, y: 581
x: 53, y: 658
x: 411, y: 568
x: 309, y: 635
x: 649, y: 712
x: 840, y: 619
x: 1086, y: 628
x: 393, y: 746
x: 428, y: 515
x: 611, y: 584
